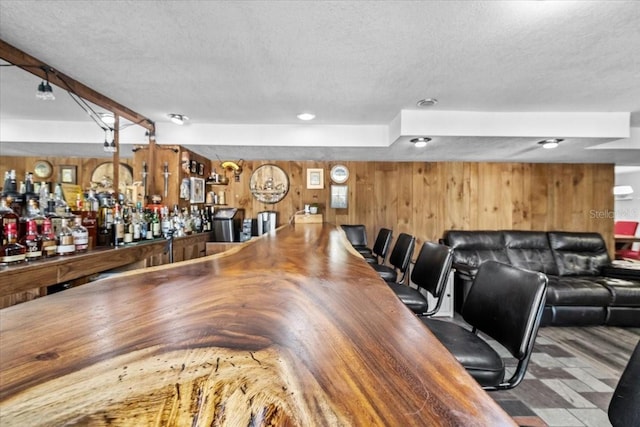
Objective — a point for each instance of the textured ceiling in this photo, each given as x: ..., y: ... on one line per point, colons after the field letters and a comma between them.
x: 350, y: 62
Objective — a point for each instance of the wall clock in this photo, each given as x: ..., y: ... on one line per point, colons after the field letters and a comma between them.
x: 269, y: 184
x: 339, y: 174
x: 42, y: 169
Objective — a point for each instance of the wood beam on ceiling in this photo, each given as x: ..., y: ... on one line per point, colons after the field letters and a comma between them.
x: 34, y: 66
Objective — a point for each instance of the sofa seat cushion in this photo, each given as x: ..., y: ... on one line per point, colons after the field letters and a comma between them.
x: 477, y: 357
x: 577, y: 291
x: 625, y: 293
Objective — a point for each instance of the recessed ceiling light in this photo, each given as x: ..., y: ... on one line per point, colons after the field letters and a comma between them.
x: 550, y: 143
x: 420, y: 141
x: 178, y: 119
x: 427, y: 102
x: 306, y: 116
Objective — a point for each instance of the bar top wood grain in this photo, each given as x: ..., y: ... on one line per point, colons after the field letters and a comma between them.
x: 292, y: 329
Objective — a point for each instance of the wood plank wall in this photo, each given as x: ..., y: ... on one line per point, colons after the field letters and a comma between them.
x: 423, y: 198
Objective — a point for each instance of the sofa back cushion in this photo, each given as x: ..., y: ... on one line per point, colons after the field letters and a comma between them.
x: 474, y: 247
x: 578, y: 254
x: 530, y: 250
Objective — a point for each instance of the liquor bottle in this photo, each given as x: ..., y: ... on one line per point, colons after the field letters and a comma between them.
x: 156, y: 229
x: 49, y: 241
x: 32, y: 242
x: 80, y: 235
x: 65, y: 239
x: 32, y: 213
x: 11, y: 252
x: 60, y: 204
x: 136, y: 224
x: 7, y: 216
x: 56, y: 220
x: 117, y: 228
x: 92, y: 203
x: 15, y: 200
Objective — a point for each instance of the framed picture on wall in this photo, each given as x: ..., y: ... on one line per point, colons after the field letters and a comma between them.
x: 68, y: 174
x: 315, y: 179
x: 197, y: 190
x: 339, y: 196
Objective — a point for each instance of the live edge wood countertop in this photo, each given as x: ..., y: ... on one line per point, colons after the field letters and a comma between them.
x: 293, y: 329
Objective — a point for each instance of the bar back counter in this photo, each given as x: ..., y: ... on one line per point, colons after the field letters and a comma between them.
x: 293, y: 328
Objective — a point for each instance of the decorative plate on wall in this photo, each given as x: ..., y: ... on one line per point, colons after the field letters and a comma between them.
x: 339, y: 174
x: 269, y: 184
x: 42, y: 169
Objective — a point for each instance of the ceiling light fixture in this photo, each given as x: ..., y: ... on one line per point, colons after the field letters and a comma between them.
x: 45, y: 92
x: 107, y: 118
x: 622, y: 190
x: 427, y: 102
x: 421, y: 141
x: 178, y: 119
x: 109, y: 147
x: 306, y: 116
x: 550, y: 143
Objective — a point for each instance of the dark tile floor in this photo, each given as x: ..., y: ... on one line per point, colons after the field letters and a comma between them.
x: 572, y: 375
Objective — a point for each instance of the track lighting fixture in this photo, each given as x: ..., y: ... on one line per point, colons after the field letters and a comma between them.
x: 178, y: 119
x: 45, y: 92
x: 109, y: 147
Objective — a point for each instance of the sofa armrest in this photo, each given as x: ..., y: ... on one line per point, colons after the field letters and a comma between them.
x: 622, y: 270
x: 465, y: 271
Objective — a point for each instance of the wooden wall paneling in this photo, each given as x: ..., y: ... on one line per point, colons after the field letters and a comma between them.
x: 603, y: 202
x: 405, y: 199
x: 473, y: 195
x: 420, y: 198
x: 453, y: 211
x: 539, y: 197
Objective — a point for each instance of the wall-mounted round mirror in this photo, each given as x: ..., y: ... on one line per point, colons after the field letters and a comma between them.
x: 269, y: 184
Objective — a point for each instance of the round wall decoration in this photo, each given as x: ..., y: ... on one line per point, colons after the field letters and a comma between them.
x: 269, y: 184
x: 42, y: 169
x: 339, y: 174
x: 102, y: 177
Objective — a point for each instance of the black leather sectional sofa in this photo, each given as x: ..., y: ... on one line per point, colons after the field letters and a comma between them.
x: 584, y: 287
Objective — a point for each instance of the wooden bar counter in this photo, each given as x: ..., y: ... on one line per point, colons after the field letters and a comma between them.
x: 291, y: 329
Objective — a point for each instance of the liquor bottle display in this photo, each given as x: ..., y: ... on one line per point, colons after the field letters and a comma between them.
x: 11, y: 252
x: 32, y: 242
x: 49, y: 241
x: 65, y: 239
x: 7, y: 216
x: 117, y: 228
x: 80, y: 235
